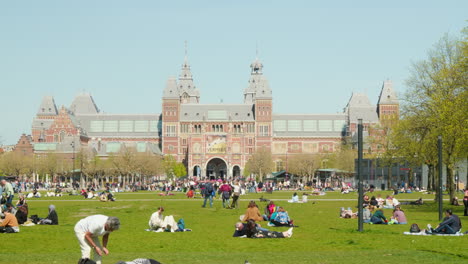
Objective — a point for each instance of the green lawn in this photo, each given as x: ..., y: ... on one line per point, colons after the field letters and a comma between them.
x: 321, y: 238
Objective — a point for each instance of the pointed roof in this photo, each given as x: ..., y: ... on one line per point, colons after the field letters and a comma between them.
x: 360, y: 107
x: 387, y: 94
x: 186, y: 84
x: 83, y: 104
x: 258, y: 84
x: 47, y: 106
x: 171, y: 91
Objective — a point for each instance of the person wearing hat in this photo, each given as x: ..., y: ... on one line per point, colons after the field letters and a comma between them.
x: 7, y: 190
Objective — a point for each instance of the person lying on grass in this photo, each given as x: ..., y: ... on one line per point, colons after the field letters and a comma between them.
x: 241, y: 229
x: 140, y: 261
x: 10, y: 223
x: 254, y: 232
x: 159, y: 223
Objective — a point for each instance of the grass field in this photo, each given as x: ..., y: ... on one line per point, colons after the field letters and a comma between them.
x: 322, y: 237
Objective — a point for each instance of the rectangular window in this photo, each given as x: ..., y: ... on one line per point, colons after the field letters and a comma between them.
x: 141, y: 126
x: 339, y: 125
x: 141, y: 147
x: 126, y: 126
x: 111, y: 126
x: 113, y: 147
x: 294, y: 125
x: 154, y: 126
x: 310, y: 125
x: 325, y: 125
x: 96, y: 126
x: 217, y: 115
x: 279, y: 125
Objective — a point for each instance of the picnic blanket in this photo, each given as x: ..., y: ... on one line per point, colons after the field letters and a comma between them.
x: 424, y: 234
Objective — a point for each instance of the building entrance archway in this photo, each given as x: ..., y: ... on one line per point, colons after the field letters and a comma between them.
x: 216, y: 169
x: 196, y: 171
x: 236, y: 171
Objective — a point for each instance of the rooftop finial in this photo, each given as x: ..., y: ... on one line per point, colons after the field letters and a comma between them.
x: 185, y: 48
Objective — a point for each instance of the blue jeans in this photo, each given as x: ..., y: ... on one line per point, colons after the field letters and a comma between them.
x: 225, y: 203
x: 10, y: 199
x: 448, y: 230
x: 206, y: 198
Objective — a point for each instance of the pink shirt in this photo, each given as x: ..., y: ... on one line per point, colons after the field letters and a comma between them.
x: 400, y: 216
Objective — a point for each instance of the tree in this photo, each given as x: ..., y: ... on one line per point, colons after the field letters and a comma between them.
x: 173, y: 168
x: 304, y: 165
x: 437, y: 95
x: 260, y: 163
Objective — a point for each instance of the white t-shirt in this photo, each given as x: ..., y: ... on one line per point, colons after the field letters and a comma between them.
x: 93, y: 224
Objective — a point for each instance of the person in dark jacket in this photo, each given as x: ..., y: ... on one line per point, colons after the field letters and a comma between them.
x: 450, y: 225
x: 22, y: 213
x: 52, y: 218
x: 378, y: 218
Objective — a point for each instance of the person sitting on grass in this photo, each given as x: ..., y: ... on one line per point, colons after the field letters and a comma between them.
x: 294, y: 199
x: 190, y: 193
x: 159, y: 223
x: 450, y: 225
x: 366, y: 213
x: 252, y: 213
x: 254, y: 232
x: 10, y: 223
x: 389, y: 202
x: 22, y: 214
x: 52, y: 217
x: 269, y: 210
x: 21, y: 200
x: 282, y: 218
x: 378, y: 218
x: 398, y: 216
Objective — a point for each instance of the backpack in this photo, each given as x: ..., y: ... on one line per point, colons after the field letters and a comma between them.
x: 181, y: 224
x: 209, y: 188
x: 414, y: 228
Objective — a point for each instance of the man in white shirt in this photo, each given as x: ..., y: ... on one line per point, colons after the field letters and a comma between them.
x: 159, y: 223
x: 89, y: 229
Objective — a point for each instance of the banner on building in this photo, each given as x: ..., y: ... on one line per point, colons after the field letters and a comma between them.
x: 216, y: 144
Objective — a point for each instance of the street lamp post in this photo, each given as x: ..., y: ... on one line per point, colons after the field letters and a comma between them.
x: 73, y: 159
x: 360, y: 189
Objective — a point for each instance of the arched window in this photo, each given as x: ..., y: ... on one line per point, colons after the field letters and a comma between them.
x: 62, y: 135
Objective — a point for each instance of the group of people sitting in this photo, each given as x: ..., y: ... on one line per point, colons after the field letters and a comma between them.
x: 12, y: 217
x: 275, y: 215
x: 389, y: 203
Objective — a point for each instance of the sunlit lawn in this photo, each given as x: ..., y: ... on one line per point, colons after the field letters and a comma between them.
x: 322, y: 237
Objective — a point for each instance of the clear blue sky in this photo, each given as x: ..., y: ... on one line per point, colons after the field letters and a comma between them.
x: 122, y: 52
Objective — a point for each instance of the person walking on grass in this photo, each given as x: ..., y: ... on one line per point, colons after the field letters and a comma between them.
x: 89, y: 229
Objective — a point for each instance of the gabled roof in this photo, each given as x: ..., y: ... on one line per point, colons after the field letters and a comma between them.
x: 387, y: 94
x: 47, y: 106
x: 84, y: 104
x: 359, y: 107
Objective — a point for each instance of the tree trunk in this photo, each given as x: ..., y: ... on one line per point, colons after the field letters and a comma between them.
x: 389, y: 178
x: 450, y: 183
